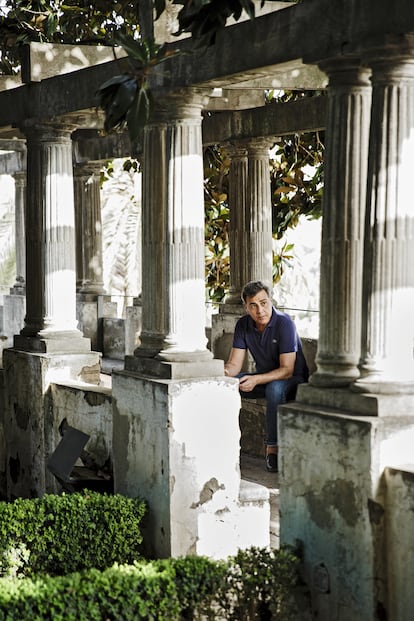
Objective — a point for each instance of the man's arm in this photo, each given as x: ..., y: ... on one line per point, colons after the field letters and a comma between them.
x: 234, y: 364
x: 285, y: 371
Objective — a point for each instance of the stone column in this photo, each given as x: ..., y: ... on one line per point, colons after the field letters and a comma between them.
x: 251, y: 255
x: 238, y: 176
x: 257, y: 235
x: 173, y: 289
x: 88, y: 221
x: 50, y: 322
x: 172, y: 397
x: 347, y: 132
x: 89, y: 259
x: 19, y: 205
x: 387, y: 364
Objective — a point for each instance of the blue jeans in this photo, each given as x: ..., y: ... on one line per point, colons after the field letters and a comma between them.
x: 275, y: 392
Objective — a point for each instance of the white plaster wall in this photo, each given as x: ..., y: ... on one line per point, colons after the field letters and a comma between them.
x: 176, y: 444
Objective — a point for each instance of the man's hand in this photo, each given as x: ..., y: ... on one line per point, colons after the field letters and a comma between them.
x: 248, y: 382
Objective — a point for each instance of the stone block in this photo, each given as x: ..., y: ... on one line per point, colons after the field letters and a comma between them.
x: 176, y: 444
x: 113, y: 338
x: 133, y: 324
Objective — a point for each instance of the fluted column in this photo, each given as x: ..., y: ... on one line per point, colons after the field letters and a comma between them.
x: 173, y: 286
x: 19, y: 205
x: 238, y: 174
x: 387, y: 364
x: 257, y: 232
x: 88, y: 221
x: 50, y: 242
x: 347, y: 132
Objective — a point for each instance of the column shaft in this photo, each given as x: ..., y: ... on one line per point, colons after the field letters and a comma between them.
x: 173, y: 287
x: 50, y: 240
x: 88, y: 220
x: 257, y: 234
x: 387, y: 364
x: 238, y: 174
x: 20, y: 207
x: 347, y: 133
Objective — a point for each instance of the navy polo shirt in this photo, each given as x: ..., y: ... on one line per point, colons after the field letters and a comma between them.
x: 279, y: 337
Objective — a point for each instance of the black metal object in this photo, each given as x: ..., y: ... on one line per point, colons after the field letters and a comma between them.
x: 62, y: 464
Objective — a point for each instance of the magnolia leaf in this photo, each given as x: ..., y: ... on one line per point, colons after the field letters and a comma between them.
x: 131, y: 46
x: 116, y: 97
x: 284, y: 189
x: 139, y: 113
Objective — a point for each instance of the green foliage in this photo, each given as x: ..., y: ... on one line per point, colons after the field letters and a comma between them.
x: 126, y: 99
x: 122, y: 592
x: 281, y: 260
x: 60, y: 534
x: 260, y: 585
x: 217, y: 260
x: 204, y: 19
x: 297, y: 180
x: 62, y: 21
x: 254, y: 584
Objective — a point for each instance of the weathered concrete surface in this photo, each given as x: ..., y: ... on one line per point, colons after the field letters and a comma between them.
x: 87, y: 408
x: 27, y: 414
x: 331, y: 503
x: 176, y: 444
x: 399, y: 507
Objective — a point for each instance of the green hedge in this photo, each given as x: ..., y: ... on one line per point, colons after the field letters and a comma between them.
x: 254, y: 584
x: 61, y: 534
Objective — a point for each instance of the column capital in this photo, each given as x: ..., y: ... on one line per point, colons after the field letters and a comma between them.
x: 347, y: 72
x: 47, y: 130
x: 186, y: 103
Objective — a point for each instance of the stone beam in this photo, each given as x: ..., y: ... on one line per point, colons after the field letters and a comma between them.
x: 305, y: 33
x: 303, y: 115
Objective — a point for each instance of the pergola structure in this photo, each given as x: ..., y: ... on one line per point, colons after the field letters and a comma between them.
x: 346, y: 489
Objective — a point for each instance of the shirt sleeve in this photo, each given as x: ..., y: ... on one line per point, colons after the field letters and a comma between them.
x: 288, y: 338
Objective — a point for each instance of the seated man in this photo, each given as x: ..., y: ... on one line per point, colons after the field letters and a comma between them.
x: 273, y: 341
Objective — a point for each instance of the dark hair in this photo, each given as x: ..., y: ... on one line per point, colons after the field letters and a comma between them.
x: 252, y: 288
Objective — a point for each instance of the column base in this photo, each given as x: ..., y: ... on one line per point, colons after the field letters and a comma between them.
x: 64, y: 344
x: 161, y: 369
x: 380, y: 385
x: 359, y: 404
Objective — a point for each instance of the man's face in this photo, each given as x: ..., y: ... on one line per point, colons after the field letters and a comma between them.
x: 259, y: 307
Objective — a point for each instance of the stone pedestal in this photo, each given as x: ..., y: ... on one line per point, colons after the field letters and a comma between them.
x: 14, y: 307
x: 176, y: 445
x: 332, y: 503
x: 30, y: 437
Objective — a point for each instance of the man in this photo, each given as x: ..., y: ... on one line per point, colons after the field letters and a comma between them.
x: 272, y: 340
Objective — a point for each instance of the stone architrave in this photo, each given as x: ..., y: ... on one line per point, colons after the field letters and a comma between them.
x: 347, y: 133
x: 88, y: 221
x: 387, y: 364
x: 173, y: 339
x: 19, y: 205
x: 50, y: 322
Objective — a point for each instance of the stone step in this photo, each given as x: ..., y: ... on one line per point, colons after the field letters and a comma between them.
x: 253, y: 470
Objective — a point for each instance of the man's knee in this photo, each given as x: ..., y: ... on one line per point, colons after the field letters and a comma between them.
x: 276, y: 390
